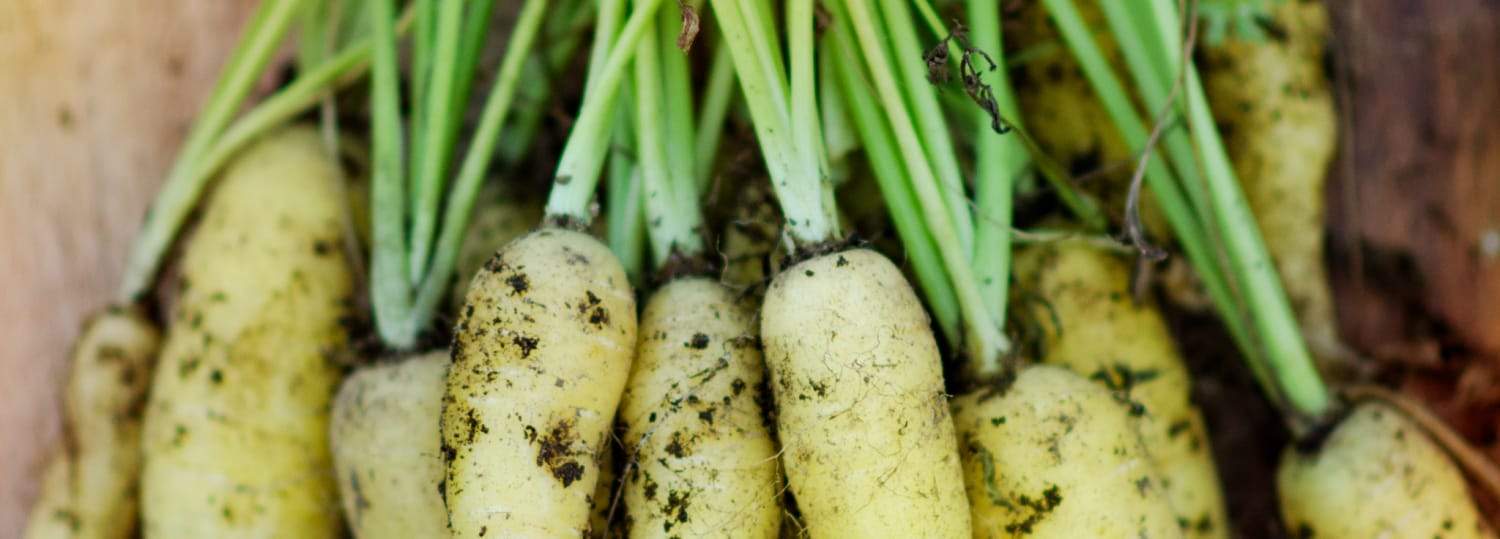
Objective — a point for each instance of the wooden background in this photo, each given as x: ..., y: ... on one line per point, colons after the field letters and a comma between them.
x: 95, y: 96
x: 1414, y: 202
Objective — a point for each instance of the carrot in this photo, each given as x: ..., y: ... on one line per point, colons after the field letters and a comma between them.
x: 385, y: 448
x: 867, y: 439
x: 89, y: 489
x: 544, y: 344
x: 701, y: 460
x: 1056, y: 456
x: 1044, y: 452
x: 868, y: 442
x: 235, y: 440
x: 1375, y: 475
x: 540, y: 357
x: 1091, y: 323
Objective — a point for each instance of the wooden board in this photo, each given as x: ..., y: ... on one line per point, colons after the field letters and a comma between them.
x: 1420, y: 182
x: 94, y: 98
x: 1415, y: 203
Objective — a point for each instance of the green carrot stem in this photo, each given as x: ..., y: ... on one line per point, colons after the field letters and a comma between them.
x: 677, y: 111
x: 668, y: 226
x: 439, y: 132
x: 796, y: 177
x: 932, y: 128
x: 1251, y: 269
x: 999, y: 161
x: 1077, y: 202
x: 1165, y: 59
x: 1186, y: 223
x: 839, y: 137
x: 460, y: 204
x: 389, y: 274
x: 606, y: 29
x: 583, y: 155
x: 983, y: 340
x: 182, y: 188
x: 764, y: 24
x: 471, y: 47
x: 715, y: 108
x: 806, y: 130
x: 880, y: 148
x: 1285, y: 350
x: 328, y: 26
x: 626, y: 215
x: 677, y: 93
x: 1154, y: 74
x: 462, y: 36
x: 405, y: 296
x: 422, y: 44
x: 305, y: 92
x: 354, y: 23
x: 935, y: 22
x: 563, y: 34
x: 313, y: 33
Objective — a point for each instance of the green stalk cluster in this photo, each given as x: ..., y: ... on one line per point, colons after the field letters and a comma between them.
x: 880, y: 149
x: 588, y: 143
x: 1171, y: 194
x: 1199, y: 193
x: 783, y: 107
x: 1000, y: 163
x: 605, y: 131
x: 664, y: 127
x: 905, y: 135
x: 411, y: 266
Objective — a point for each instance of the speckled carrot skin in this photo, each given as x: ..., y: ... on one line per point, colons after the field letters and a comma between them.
x: 867, y: 439
x: 541, y: 353
x: 236, y: 433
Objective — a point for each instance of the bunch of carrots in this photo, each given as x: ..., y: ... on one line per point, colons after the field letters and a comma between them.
x: 799, y: 304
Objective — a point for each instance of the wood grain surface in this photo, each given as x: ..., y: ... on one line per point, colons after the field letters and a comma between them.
x: 94, y: 98
x: 1416, y: 200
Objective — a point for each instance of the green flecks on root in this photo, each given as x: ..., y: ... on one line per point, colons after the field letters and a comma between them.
x: 1038, y: 509
x: 1203, y: 525
x: 987, y: 464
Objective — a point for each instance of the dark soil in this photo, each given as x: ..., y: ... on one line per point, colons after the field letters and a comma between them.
x: 1247, y: 433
